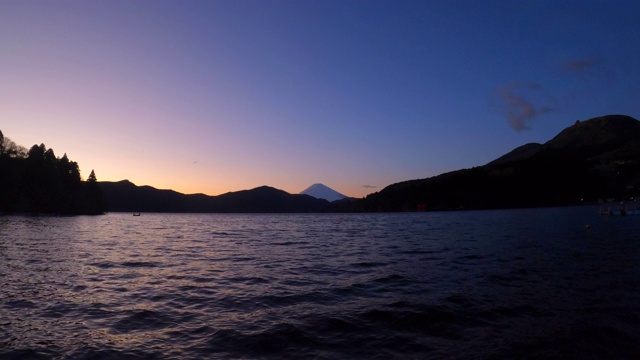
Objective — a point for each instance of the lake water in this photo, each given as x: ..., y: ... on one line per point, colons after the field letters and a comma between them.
x: 533, y: 283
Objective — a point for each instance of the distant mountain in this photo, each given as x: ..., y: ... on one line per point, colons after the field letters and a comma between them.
x: 519, y: 153
x: 321, y: 191
x: 597, y: 135
x: 590, y: 160
x: 126, y: 196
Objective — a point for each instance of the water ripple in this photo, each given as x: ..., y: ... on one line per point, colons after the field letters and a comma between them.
x: 475, y: 285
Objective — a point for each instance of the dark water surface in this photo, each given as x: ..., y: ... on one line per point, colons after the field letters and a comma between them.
x: 532, y: 283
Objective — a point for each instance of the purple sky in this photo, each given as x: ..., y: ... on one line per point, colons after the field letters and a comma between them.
x: 218, y: 96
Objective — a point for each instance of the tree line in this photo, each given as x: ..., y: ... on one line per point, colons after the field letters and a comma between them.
x: 36, y: 181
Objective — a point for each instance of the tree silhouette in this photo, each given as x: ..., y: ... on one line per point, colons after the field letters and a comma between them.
x: 49, y: 156
x: 36, y: 152
x: 93, y: 198
x: 69, y: 169
x: 36, y: 181
x: 12, y: 150
x: 92, y: 177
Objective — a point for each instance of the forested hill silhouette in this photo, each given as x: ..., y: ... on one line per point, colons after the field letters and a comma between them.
x: 126, y: 196
x: 36, y: 181
x: 588, y: 161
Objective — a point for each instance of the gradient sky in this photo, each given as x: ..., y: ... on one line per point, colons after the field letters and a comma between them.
x: 218, y: 96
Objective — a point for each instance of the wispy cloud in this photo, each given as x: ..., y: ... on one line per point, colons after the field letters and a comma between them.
x: 592, y: 74
x: 587, y: 77
x: 522, y: 102
x: 369, y: 186
x: 589, y: 67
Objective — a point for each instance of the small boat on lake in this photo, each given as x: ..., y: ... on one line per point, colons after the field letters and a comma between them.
x: 136, y: 214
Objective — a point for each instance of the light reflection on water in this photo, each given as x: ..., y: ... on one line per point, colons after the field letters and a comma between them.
x: 478, y: 284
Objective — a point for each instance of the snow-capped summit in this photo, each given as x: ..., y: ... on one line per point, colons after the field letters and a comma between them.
x: 320, y: 191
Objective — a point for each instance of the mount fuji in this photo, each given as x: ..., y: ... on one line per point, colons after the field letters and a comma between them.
x: 321, y: 191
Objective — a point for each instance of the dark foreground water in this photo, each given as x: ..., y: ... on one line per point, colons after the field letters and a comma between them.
x: 471, y: 285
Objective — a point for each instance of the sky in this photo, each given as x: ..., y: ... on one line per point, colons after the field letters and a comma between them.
x: 226, y: 95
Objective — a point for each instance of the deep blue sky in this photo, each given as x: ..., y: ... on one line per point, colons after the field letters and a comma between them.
x: 217, y: 96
